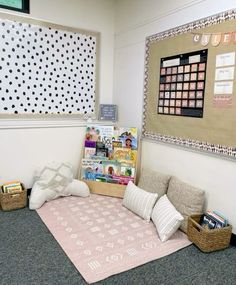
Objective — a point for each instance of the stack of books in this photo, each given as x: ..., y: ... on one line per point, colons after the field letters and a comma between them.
x: 109, y: 154
x: 12, y: 187
x: 213, y: 220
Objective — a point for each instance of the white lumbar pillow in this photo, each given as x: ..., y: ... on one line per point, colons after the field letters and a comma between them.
x: 139, y: 201
x: 77, y: 188
x: 54, y: 180
x: 166, y: 218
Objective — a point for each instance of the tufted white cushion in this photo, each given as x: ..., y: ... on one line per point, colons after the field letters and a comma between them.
x: 166, y: 218
x: 54, y: 180
x: 139, y: 201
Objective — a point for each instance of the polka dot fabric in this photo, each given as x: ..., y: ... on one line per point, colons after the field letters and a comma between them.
x: 46, y: 71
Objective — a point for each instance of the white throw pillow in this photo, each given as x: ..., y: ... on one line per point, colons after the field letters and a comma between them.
x: 139, y: 201
x: 166, y: 218
x: 55, y: 180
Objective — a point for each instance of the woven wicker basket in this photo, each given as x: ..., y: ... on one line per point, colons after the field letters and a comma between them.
x: 11, y: 201
x: 208, y: 239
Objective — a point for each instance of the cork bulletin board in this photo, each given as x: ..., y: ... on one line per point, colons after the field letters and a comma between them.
x: 47, y: 69
x: 190, y: 87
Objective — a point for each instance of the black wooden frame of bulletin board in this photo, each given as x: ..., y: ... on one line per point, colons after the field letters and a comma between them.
x: 190, y: 86
x: 47, y: 70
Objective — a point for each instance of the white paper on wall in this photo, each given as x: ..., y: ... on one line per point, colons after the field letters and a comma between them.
x: 46, y: 71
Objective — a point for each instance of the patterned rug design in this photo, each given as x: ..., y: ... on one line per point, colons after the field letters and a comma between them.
x: 103, y: 238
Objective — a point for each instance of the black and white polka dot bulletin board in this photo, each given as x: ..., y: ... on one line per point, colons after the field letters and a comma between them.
x: 47, y: 69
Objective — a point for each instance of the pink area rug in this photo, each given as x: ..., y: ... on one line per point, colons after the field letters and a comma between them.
x: 103, y: 238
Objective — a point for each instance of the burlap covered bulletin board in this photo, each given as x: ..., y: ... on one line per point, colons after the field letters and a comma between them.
x: 190, y: 89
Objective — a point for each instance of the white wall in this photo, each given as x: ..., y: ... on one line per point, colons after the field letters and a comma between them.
x: 26, y: 144
x: 134, y: 21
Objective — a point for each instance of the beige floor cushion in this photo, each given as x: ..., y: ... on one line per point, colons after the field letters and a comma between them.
x: 187, y: 199
x: 154, y: 182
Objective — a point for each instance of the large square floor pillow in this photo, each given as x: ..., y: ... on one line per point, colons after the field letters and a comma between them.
x: 154, y: 181
x: 187, y: 200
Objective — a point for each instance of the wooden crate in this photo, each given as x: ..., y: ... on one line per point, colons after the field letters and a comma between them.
x: 104, y: 188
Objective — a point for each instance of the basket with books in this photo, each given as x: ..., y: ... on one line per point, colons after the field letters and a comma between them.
x: 208, y: 237
x: 13, y: 196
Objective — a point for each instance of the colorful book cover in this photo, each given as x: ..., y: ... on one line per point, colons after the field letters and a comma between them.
x: 87, y: 169
x: 102, y: 152
x: 128, y: 137
x: 92, y: 134
x: 116, y: 144
x: 127, y: 171
x: 129, y: 163
x: 124, y: 180
x: 104, y: 134
x: 89, y: 144
x: 89, y: 152
x: 100, y: 144
x: 133, y: 156
x: 122, y: 154
x: 111, y: 167
x: 91, y: 168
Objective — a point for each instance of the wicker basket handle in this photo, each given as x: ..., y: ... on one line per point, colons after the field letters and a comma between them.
x: 196, y: 225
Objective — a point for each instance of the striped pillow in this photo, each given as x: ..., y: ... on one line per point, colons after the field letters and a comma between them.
x: 166, y: 218
x: 139, y: 201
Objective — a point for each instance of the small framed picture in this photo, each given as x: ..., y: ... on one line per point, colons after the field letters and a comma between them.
x: 108, y: 112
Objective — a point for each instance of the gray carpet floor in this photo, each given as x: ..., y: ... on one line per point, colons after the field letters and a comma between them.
x: 30, y: 255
